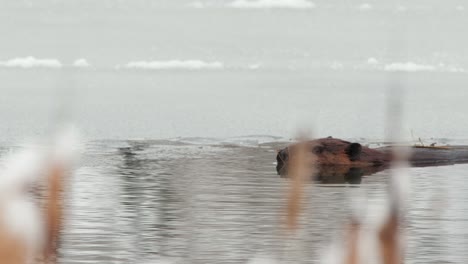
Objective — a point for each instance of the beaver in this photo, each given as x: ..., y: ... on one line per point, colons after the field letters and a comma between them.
x: 338, y: 160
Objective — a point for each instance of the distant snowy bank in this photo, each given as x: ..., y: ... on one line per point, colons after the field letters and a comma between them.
x: 81, y: 63
x: 259, y: 4
x: 372, y: 64
x: 31, y: 62
x: 409, y: 66
x: 415, y: 67
x: 173, y: 65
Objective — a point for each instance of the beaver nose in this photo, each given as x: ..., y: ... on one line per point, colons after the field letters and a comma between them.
x: 281, y: 159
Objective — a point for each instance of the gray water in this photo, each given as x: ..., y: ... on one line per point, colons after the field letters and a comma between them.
x: 136, y: 201
x: 179, y: 163
x: 189, y: 201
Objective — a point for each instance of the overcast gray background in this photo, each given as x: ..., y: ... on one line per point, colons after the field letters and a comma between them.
x: 323, y: 67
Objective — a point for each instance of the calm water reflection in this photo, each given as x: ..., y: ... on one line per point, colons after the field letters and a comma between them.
x: 150, y: 201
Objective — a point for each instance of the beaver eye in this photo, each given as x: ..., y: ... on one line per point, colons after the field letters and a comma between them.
x: 318, y: 149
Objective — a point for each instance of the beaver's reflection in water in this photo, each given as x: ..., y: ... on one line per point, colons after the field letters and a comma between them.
x: 342, y: 174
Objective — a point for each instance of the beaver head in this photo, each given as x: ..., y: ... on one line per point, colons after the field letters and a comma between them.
x: 327, y: 151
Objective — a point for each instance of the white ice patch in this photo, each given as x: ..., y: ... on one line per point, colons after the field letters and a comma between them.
x: 408, y: 67
x: 372, y: 61
x: 365, y: 7
x: 197, y: 4
x: 31, y: 62
x: 255, y: 66
x: 336, y: 66
x: 455, y: 69
x: 174, y: 65
x: 449, y: 68
x: 81, y: 63
x: 401, y: 8
x: 264, y: 4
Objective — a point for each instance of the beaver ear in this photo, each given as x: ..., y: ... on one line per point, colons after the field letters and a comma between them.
x: 354, y: 151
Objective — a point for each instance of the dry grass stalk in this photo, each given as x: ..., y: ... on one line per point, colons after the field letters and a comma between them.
x: 388, y: 242
x: 352, y: 256
x: 388, y: 239
x: 12, y: 249
x: 54, y: 212
x: 300, y: 171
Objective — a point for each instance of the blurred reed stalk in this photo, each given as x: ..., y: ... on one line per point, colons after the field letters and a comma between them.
x: 389, y: 236
x: 301, y: 169
x: 389, y: 231
x: 301, y: 162
x: 31, y: 202
x: 352, y: 235
x: 12, y: 249
x: 53, y: 212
